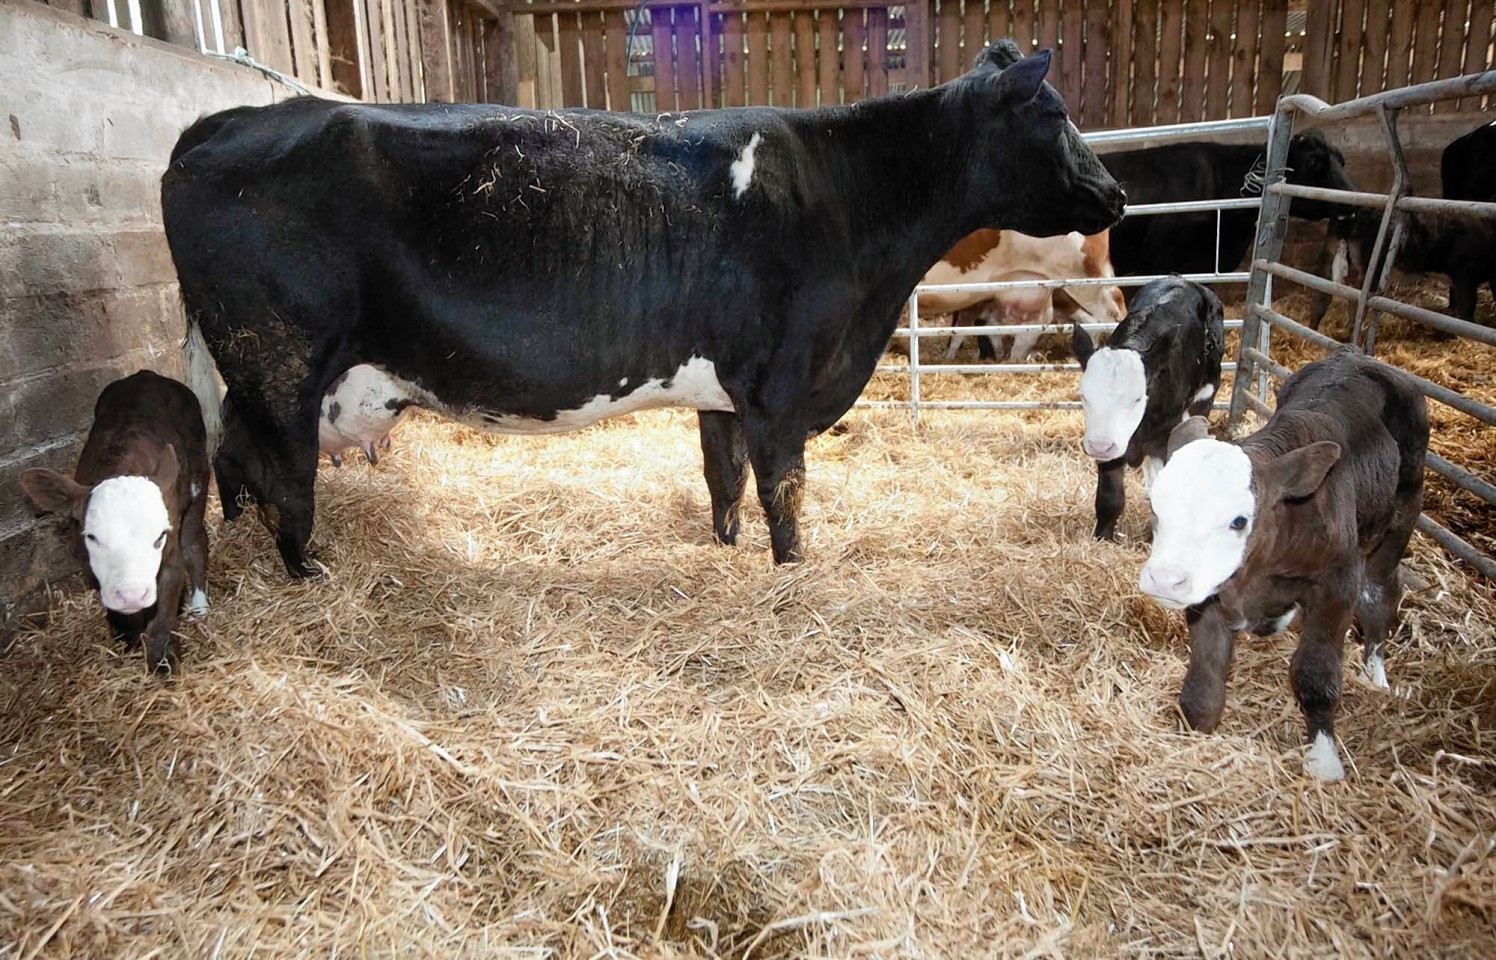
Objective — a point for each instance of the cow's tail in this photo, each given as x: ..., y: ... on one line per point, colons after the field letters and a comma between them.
x: 202, y: 377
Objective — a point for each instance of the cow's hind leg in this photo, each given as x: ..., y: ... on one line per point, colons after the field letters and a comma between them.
x: 777, y: 451
x: 724, y: 459
x: 1111, y: 497
x: 1314, y: 674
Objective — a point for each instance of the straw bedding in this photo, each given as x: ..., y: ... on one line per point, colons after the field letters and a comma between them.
x: 535, y: 711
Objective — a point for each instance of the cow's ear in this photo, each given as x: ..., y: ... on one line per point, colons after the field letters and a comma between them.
x: 1298, y: 473
x: 54, y: 492
x: 1082, y: 345
x: 1195, y: 428
x: 1020, y: 83
x: 167, y: 468
x: 999, y: 55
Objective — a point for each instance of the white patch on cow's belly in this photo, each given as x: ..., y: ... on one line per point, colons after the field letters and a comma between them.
x: 1323, y: 760
x: 694, y: 385
x: 742, y: 168
x: 1204, y: 393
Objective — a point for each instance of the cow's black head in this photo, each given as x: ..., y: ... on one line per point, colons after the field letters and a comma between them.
x: 1030, y: 170
x: 1312, y: 162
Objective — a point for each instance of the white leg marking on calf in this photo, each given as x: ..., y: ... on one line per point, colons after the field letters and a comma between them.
x: 197, y: 604
x: 1323, y: 760
x: 1376, y: 671
x: 1204, y: 393
x: 742, y: 168
x: 1151, y: 467
x: 1283, y: 622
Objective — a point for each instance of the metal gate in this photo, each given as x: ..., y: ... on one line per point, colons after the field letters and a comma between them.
x: 1255, y: 364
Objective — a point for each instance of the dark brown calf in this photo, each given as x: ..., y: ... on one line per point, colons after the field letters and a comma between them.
x: 137, y: 497
x: 1311, y: 513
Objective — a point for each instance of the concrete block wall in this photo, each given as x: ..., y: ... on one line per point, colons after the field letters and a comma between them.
x: 88, y: 117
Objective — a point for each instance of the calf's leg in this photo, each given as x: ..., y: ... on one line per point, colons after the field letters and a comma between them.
x: 161, y: 652
x: 1376, y: 606
x: 1202, y: 699
x: 1314, y: 673
x: 1111, y: 497
x: 724, y: 460
x: 1462, y: 295
x: 194, y: 538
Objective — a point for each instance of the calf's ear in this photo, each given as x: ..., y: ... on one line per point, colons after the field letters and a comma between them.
x: 1020, y: 83
x: 54, y: 492
x: 1195, y: 428
x: 1082, y: 345
x: 1298, y: 473
x: 167, y: 469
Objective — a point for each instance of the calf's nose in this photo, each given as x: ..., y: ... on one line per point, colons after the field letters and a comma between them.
x: 1101, y: 449
x: 1165, y: 583
x: 132, y: 599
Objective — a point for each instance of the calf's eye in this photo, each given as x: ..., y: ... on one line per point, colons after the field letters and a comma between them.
x: 161, y: 540
x: 90, y: 538
x: 1240, y: 523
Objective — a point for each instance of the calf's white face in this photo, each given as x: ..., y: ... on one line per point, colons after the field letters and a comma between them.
x: 1204, y: 507
x: 1114, y: 394
x: 124, y: 529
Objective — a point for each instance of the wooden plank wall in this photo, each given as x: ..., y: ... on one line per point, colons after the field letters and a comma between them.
x: 1117, y: 63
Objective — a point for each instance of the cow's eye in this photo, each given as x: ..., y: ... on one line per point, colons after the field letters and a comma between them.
x: 90, y: 538
x: 1240, y: 523
x: 161, y: 540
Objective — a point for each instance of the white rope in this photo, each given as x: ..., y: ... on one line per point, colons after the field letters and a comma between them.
x: 241, y: 56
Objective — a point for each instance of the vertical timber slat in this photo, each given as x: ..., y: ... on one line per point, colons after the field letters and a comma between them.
x: 688, y: 58
x: 734, y: 65
x: 829, y: 61
x: 1120, y: 61
x: 664, y: 58
x: 782, y: 61
x: 616, y: 30
x: 917, y: 45
x: 1145, y: 61
x: 1244, y: 58
x: 1218, y: 82
x: 1072, y: 49
x: 1348, y: 51
x: 854, y: 81
x: 1169, y: 51
x: 1477, y: 47
x: 1274, y: 42
x: 947, y: 50
x: 594, y: 61
x: 570, y: 38
x: 1093, y: 90
x: 1319, y: 39
x: 974, y: 33
x: 805, y: 59
x: 877, y: 51
x: 758, y: 59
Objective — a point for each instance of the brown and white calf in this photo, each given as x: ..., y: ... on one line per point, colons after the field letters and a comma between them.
x: 1312, y: 514
x: 138, y: 495
x: 995, y: 256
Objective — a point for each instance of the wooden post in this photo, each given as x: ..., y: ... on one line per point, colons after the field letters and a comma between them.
x: 1319, y: 38
x: 498, y: 59
x: 169, y: 20
x: 436, y: 50
x: 916, y: 44
x: 342, y: 46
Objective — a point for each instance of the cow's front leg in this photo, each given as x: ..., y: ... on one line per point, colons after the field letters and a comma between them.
x: 1111, y: 497
x: 1202, y: 699
x: 724, y: 460
x: 777, y: 451
x: 1314, y: 674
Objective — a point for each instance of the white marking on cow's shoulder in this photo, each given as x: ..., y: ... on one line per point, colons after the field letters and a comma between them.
x: 197, y: 605
x: 742, y: 168
x: 1323, y: 760
x: 1376, y: 671
x: 1198, y: 497
x: 1114, y: 396
x: 693, y: 385
x: 1204, y: 393
x: 122, y: 530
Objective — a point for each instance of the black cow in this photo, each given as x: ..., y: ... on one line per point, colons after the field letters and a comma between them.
x: 1160, y: 365
x: 532, y: 271
x: 1311, y: 513
x: 1461, y: 248
x: 1186, y: 242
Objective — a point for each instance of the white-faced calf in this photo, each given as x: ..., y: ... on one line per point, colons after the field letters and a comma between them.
x: 138, y: 496
x: 1311, y: 513
x: 1161, y: 365
x: 359, y: 410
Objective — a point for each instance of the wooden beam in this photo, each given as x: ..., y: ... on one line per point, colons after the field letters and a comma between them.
x: 436, y: 49
x: 498, y: 59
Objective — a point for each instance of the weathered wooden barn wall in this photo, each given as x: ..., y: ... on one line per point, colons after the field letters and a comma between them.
x: 88, y: 116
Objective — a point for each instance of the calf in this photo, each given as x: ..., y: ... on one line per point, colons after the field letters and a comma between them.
x: 359, y: 410
x: 1312, y: 512
x: 138, y: 496
x: 1462, y: 249
x: 1161, y: 365
x: 994, y: 256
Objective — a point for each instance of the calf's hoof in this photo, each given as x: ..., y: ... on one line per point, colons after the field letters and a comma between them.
x: 1322, y: 760
x: 196, y: 607
x: 163, y: 657
x: 1202, y: 717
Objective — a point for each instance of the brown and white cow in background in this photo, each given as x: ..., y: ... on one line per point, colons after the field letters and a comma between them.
x: 1310, y: 514
x: 138, y: 496
x: 995, y: 256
